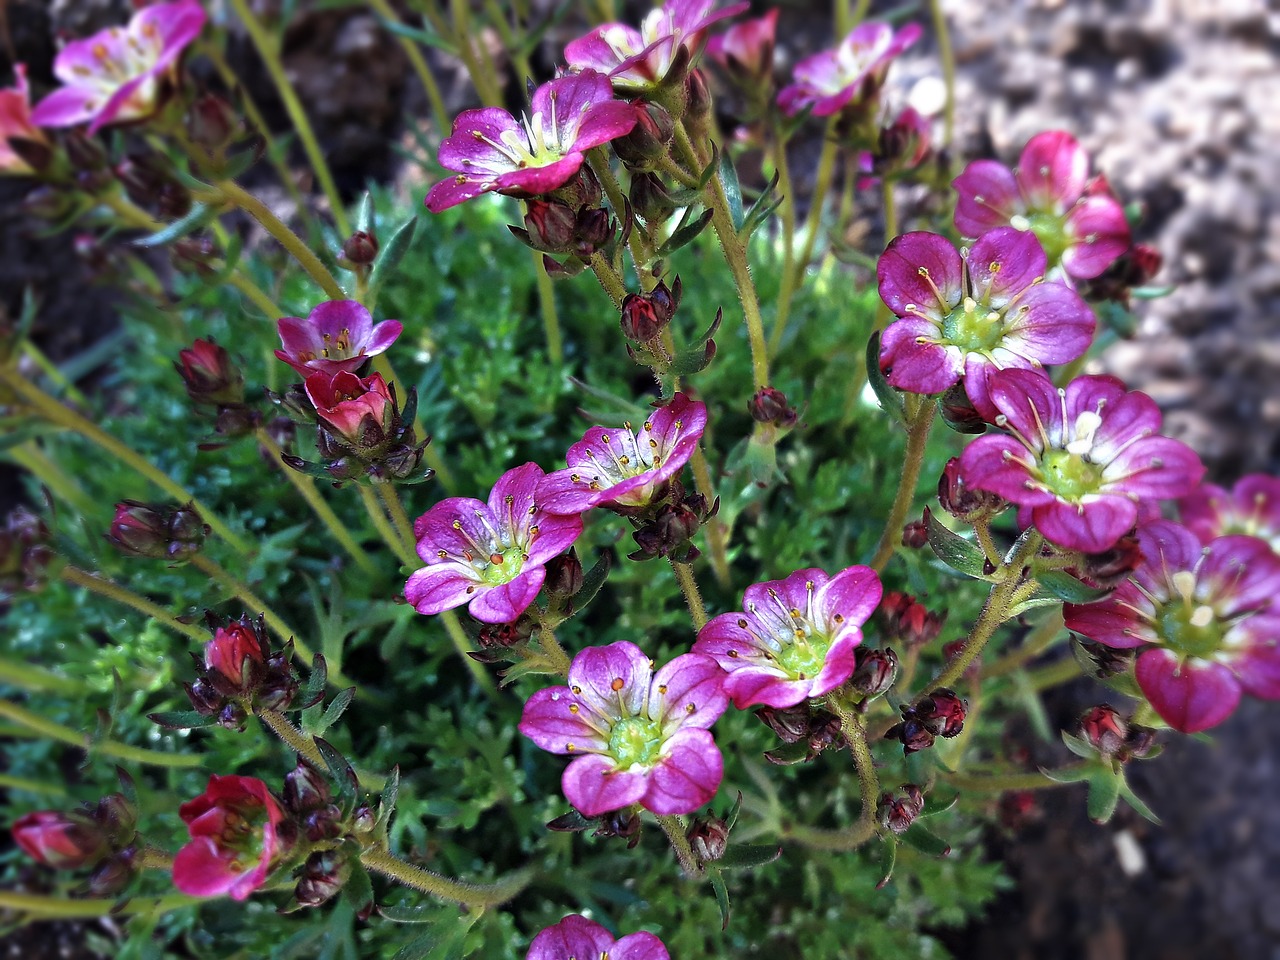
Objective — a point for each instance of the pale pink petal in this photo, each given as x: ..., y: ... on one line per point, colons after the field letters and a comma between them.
x: 987, y: 197
x: 442, y: 587
x: 549, y: 723
x: 506, y: 601
x: 1052, y: 171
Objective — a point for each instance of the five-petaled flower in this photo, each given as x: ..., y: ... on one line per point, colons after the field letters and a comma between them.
x: 794, y: 639
x: 490, y: 151
x: 622, y: 468
x: 1079, y: 223
x: 638, y: 60
x: 1251, y: 507
x: 118, y: 75
x: 1078, y: 460
x: 850, y: 74
x: 360, y: 411
x: 15, y: 123
x: 236, y: 839
x: 577, y: 938
x: 1206, y: 619
x: 970, y: 315
x: 492, y: 556
x: 337, y: 335
x: 638, y: 736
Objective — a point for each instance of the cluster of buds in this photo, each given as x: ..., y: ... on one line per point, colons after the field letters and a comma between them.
x: 667, y: 529
x: 814, y: 728
x: 156, y: 530
x: 898, y: 810
x: 213, y: 380
x: 624, y: 824
x: 25, y: 553
x: 102, y: 836
x: 962, y: 501
x: 1114, y: 737
x: 238, y: 674
x: 940, y: 714
x: 572, y: 223
x: 874, y: 672
x: 708, y: 835
x: 906, y: 619
x: 150, y: 182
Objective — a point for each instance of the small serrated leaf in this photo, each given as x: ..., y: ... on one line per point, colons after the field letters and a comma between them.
x: 339, y: 768
x: 1139, y: 806
x: 387, y: 803
x: 337, y: 707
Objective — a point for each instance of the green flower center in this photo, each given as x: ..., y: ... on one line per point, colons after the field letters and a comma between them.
x: 635, y: 741
x: 1068, y: 475
x: 972, y: 327
x: 803, y: 657
x: 1191, y: 629
x: 503, y: 567
x: 1049, y: 230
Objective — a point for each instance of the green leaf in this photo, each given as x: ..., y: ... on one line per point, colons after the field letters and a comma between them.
x: 593, y: 580
x: 313, y: 692
x: 1068, y: 588
x: 749, y: 855
x: 722, y: 897
x: 955, y: 551
x: 692, y: 361
x: 685, y: 232
x: 1079, y: 746
x: 788, y: 754
x: 890, y: 399
x: 181, y: 719
x: 1104, y: 794
x: 927, y: 842
x: 420, y: 35
x: 358, y: 890
x: 339, y: 769
x: 940, y: 801
x: 732, y: 189
x: 337, y: 707
x: 888, y: 858
x: 199, y: 215
x: 731, y: 817
x: 1131, y: 798
x: 390, y: 257
x: 364, y: 218
x: 760, y: 211
x: 418, y: 948
x: 387, y: 803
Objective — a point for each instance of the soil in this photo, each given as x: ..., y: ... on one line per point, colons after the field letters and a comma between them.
x: 1176, y: 100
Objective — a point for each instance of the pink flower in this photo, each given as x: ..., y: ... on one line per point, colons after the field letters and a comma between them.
x: 118, y: 74
x: 15, y: 122
x: 971, y: 316
x: 60, y: 840
x: 638, y: 60
x: 337, y: 335
x: 1205, y: 618
x: 235, y: 839
x: 745, y: 50
x: 619, y: 468
x: 796, y: 637
x: 237, y: 656
x: 493, y: 152
x: 492, y: 556
x: 639, y: 736
x: 1079, y: 225
x: 850, y: 74
x: 1252, y: 507
x: 903, y: 145
x: 353, y: 408
x: 577, y: 938
x: 1078, y: 460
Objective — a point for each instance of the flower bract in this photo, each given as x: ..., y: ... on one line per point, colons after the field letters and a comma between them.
x: 337, y: 335
x: 638, y: 736
x: 235, y: 839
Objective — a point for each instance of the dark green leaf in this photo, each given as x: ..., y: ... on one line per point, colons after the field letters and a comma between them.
x: 418, y: 948
x: 387, y: 803
x: 919, y: 838
x: 197, y: 217
x: 1068, y: 588
x: 722, y: 897
x: 1080, y: 747
x: 313, y: 692
x: 686, y: 232
x: 732, y: 189
x: 358, y: 890
x: 765, y: 204
x: 955, y: 551
x: 339, y: 768
x: 410, y: 912
x: 1131, y: 798
x: 788, y: 754
x: 1104, y: 794
x: 181, y: 719
x: 337, y: 707
x: 888, y: 859
x: 889, y: 398
x: 731, y: 817
x: 390, y: 257
x: 420, y: 35
x: 593, y: 580
x: 749, y: 855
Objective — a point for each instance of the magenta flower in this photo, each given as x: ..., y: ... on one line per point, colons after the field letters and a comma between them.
x: 1252, y: 508
x: 796, y: 637
x: 970, y: 316
x: 118, y: 74
x: 638, y: 60
x: 337, y: 335
x: 850, y: 74
x: 619, y: 468
x: 492, y: 152
x: 235, y: 839
x: 1081, y: 227
x: 1205, y: 618
x: 577, y: 938
x: 357, y: 410
x: 492, y: 556
x: 639, y: 736
x: 60, y: 840
x: 15, y: 123
x: 1078, y: 460
x: 745, y: 50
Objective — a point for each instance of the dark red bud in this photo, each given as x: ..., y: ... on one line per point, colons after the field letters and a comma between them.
x: 769, y: 405
x: 942, y: 712
x: 552, y: 225
x: 209, y: 374
x: 211, y: 123
x: 650, y: 198
x: 1105, y: 730
x: 898, y: 810
x: 360, y: 249
x: 791, y: 724
x: 874, y: 672
x: 915, y: 533
x: 959, y: 412
x: 648, y: 140
x: 564, y: 575
x: 156, y: 531
x: 306, y: 790
x: 709, y: 837
x: 960, y: 500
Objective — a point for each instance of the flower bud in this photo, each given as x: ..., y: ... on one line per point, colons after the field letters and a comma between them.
x: 360, y: 249
x: 1144, y: 263
x: 942, y: 712
x: 1105, y: 730
x: 824, y: 732
x: 113, y: 874
x: 1140, y: 740
x: 211, y: 123
x: 650, y: 198
x: 210, y: 376
x: 25, y: 553
x: 898, y: 810
x: 959, y: 412
x: 364, y: 820
x: 915, y: 533
x: 709, y: 837
x: 912, y: 734
x: 665, y: 535
x: 305, y: 790
x: 906, y: 619
x: 647, y: 143
x: 644, y: 315
x: 791, y: 724
x: 697, y: 110
x: 874, y: 671
x: 620, y: 823
x: 84, y: 152
x: 156, y: 531
x: 48, y: 203
x: 1111, y: 567
x: 961, y: 500
x: 549, y: 225
x: 117, y: 819
x: 564, y: 575
x: 594, y: 229
x: 323, y: 876
x: 63, y: 841
x: 769, y: 405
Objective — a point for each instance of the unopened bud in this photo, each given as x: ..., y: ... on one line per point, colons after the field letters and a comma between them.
x: 564, y: 575
x: 306, y: 790
x: 1111, y: 567
x: 959, y: 412
x: 63, y: 841
x: 620, y: 823
x: 360, y: 249
x: 113, y: 874
x: 323, y: 876
x: 709, y: 837
x: 791, y: 724
x: 697, y: 110
x: 502, y: 635
x: 211, y: 123
x: 1104, y: 729
x: 769, y: 405
x: 84, y: 152
x: 960, y: 500
x: 156, y: 531
x: 908, y: 620
x: 942, y: 712
x: 874, y: 671
x: 912, y: 734
x: 210, y: 376
x: 549, y: 225
x: 594, y: 229
x: 898, y: 810
x: 915, y: 533
x: 647, y: 143
x: 650, y: 198
x: 666, y: 533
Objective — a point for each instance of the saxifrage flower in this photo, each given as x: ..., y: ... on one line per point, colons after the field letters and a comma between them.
x: 1077, y: 220
x: 64, y: 841
x: 745, y: 50
x: 622, y: 468
x: 636, y: 61
x: 358, y: 410
x: 1251, y: 507
x: 15, y: 123
x: 794, y: 639
x: 577, y: 938
x: 638, y: 736
x: 968, y: 316
x: 490, y: 555
x: 1077, y: 460
x: 118, y: 74
x: 337, y: 335
x: 236, y: 838
x: 1205, y: 618
x: 491, y: 151
x: 850, y: 74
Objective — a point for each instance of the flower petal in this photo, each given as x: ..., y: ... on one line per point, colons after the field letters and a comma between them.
x: 1092, y: 525
x: 506, y: 601
x: 1003, y: 263
x: 614, y: 679
x: 987, y: 197
x: 639, y: 946
x: 1101, y: 233
x: 441, y: 587
x: 912, y: 266
x: 687, y: 776
x: 910, y: 360
x: 1189, y: 696
x: 594, y: 786
x: 549, y: 722
x: 574, y: 936
x: 688, y: 692
x: 1052, y: 171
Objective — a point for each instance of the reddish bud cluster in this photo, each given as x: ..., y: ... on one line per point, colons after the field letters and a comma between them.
x: 817, y: 728
x: 898, y: 810
x: 906, y: 619
x: 156, y: 530
x: 25, y: 553
x: 101, y: 836
x: 238, y: 674
x: 646, y: 315
x: 940, y: 714
x: 769, y: 405
x: 1114, y: 737
x: 962, y: 501
x: 668, y: 531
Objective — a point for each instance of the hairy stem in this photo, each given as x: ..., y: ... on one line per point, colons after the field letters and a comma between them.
x: 1000, y: 782
x: 474, y: 895
x: 30, y: 677
x: 120, y: 594
x: 912, y: 461
x: 43, y: 727
x: 716, y: 530
x: 689, y: 587
x: 677, y: 834
x: 37, y: 907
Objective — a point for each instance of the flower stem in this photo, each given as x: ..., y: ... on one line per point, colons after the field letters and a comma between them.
x: 33, y: 459
x: 395, y: 509
x: 439, y: 113
x: 30, y: 677
x: 48, y: 729
x: 293, y: 106
x: 1000, y: 782
x: 385, y: 530
x: 677, y: 834
x: 36, y: 907
x: 947, y: 56
x: 242, y: 198
x: 486, y: 82
x: 716, y: 530
x: 253, y: 602
x: 994, y: 611
x: 153, y: 858
x: 50, y: 370
x: 114, y: 591
x: 53, y: 411
x: 689, y: 587
x: 458, y: 637
x: 475, y: 895
x: 864, y: 763
x: 912, y: 460
x: 547, y: 304
x: 552, y: 647
x: 294, y: 738
x: 8, y: 782
x: 269, y: 308
x: 1053, y: 674
x: 307, y: 490
x: 608, y: 278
